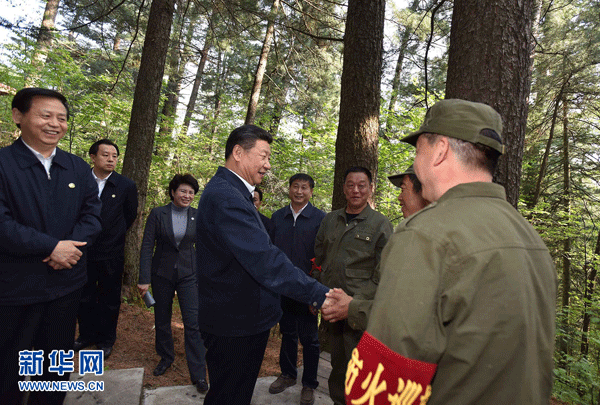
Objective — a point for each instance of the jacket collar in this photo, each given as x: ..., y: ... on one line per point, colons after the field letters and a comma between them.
x: 307, y: 212
x: 477, y: 189
x: 113, y: 178
x: 27, y: 158
x: 363, y: 214
x: 234, y: 180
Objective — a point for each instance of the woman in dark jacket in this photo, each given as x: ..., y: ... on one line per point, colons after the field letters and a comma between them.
x: 168, y: 261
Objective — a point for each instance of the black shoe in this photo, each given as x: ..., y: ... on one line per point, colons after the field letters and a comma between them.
x: 81, y: 344
x: 201, y: 386
x: 107, y: 351
x: 161, y: 368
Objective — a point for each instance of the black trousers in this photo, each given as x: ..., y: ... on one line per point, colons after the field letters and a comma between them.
x: 187, y: 294
x: 294, y: 324
x: 44, y: 326
x: 233, y: 367
x: 99, y: 308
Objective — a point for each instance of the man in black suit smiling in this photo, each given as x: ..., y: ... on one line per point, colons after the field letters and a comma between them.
x: 99, y: 308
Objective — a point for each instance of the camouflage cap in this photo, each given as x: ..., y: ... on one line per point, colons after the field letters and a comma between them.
x: 461, y: 119
x: 396, y: 179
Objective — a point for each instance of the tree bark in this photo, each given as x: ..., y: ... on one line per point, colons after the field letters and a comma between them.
x: 262, y: 66
x: 358, y: 129
x: 214, y: 127
x: 404, y: 41
x: 177, y: 61
x: 142, y: 127
x: 544, y: 164
x: 198, y: 79
x: 44, y: 42
x: 490, y: 62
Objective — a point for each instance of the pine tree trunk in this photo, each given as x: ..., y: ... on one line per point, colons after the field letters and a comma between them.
x: 404, y: 41
x: 44, y: 42
x: 358, y: 129
x: 175, y: 70
x: 198, y: 79
x: 544, y: 164
x: 144, y: 113
x: 262, y: 66
x: 177, y: 64
x: 490, y: 62
x: 221, y: 76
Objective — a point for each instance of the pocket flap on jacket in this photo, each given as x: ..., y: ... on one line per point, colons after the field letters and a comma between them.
x: 358, y: 273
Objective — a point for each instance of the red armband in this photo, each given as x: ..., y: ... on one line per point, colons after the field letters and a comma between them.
x: 378, y: 376
x: 314, y: 267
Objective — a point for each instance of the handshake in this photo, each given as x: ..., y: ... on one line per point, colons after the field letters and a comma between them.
x: 335, y: 307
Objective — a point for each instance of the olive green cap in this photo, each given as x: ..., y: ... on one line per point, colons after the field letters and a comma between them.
x: 396, y: 179
x: 461, y: 119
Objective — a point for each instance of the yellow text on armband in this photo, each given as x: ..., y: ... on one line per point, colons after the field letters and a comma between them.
x: 407, y: 393
x: 354, y: 366
x: 372, y: 387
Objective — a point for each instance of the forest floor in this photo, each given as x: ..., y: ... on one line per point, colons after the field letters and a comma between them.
x: 135, y: 348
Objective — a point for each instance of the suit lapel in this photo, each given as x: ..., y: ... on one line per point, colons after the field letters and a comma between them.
x: 168, y: 222
x: 190, y: 230
x: 110, y: 188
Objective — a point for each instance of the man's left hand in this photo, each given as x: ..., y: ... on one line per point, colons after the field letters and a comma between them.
x: 338, y: 310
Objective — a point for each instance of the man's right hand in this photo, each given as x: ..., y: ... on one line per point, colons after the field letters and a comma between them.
x: 65, y: 254
x: 143, y: 288
x: 336, y: 305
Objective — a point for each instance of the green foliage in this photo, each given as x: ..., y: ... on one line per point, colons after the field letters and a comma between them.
x: 565, y: 99
x: 579, y: 383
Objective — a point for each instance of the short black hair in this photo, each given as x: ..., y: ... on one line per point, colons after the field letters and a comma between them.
x: 358, y: 169
x: 23, y: 99
x: 96, y: 145
x: 180, y: 179
x: 246, y: 136
x: 259, y: 191
x: 417, y: 186
x: 303, y: 177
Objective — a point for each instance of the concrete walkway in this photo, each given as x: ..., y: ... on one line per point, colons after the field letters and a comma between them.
x: 125, y: 387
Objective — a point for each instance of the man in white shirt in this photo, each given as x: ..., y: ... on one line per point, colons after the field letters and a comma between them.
x: 49, y: 214
x: 99, y: 309
x: 295, y: 228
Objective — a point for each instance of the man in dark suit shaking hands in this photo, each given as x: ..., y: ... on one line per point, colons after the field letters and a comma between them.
x: 241, y: 274
x: 99, y: 308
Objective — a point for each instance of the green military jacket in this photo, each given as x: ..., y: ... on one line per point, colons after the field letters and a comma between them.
x: 349, y: 256
x: 468, y: 284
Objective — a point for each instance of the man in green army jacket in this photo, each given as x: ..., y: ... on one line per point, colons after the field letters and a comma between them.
x: 348, y: 248
x: 467, y: 288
